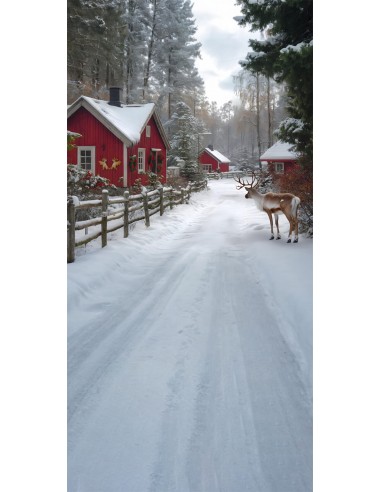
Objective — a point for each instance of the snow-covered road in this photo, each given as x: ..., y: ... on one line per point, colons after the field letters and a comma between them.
x: 190, y: 355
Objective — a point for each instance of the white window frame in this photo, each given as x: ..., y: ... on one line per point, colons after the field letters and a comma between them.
x: 148, y: 131
x: 92, y: 157
x: 207, y: 168
x: 279, y: 167
x: 141, y: 161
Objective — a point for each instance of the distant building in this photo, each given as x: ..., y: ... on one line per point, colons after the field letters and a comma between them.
x: 212, y: 161
x: 281, y: 157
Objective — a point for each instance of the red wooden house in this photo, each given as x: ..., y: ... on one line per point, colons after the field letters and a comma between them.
x: 281, y: 157
x: 212, y: 160
x: 118, y: 141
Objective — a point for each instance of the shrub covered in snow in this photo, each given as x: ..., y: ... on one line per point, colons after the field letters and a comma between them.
x: 84, y: 184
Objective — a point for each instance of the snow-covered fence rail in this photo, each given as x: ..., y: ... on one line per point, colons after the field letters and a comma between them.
x: 232, y: 174
x: 121, y: 211
x: 229, y: 174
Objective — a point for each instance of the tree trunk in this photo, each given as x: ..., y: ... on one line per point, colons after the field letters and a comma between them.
x: 169, y: 81
x: 258, y: 117
x: 150, y: 51
x: 269, y: 115
x: 130, y: 51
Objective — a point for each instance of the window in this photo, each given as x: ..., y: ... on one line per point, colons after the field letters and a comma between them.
x: 207, y: 168
x: 141, y: 160
x: 148, y: 131
x: 86, y: 158
x: 279, y: 167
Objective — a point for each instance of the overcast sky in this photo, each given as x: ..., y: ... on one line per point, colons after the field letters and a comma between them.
x: 224, y: 43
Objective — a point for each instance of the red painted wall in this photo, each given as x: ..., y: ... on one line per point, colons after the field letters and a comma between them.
x: 288, y: 165
x: 153, y: 142
x: 109, y: 147
x: 206, y: 158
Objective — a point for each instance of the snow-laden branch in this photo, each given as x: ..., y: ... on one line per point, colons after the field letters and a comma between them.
x: 296, y: 48
x: 293, y: 125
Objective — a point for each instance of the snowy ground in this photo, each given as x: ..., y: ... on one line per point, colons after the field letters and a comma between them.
x: 190, y: 355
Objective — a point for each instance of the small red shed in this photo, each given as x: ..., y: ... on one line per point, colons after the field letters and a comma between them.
x: 281, y: 157
x: 118, y: 141
x: 212, y: 160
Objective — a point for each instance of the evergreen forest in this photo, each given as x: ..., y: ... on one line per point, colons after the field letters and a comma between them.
x: 149, y: 48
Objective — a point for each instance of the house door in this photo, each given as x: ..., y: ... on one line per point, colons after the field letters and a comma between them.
x: 154, y: 164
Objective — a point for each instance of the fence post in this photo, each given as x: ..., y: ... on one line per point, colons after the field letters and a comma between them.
x: 161, y: 193
x: 182, y: 195
x: 126, y: 196
x: 70, y: 230
x: 104, y: 217
x: 171, y: 199
x: 145, y: 205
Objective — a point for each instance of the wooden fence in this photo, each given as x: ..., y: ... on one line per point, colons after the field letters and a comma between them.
x: 229, y: 174
x: 122, y: 211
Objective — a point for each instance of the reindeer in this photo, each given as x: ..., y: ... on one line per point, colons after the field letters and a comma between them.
x: 274, y: 203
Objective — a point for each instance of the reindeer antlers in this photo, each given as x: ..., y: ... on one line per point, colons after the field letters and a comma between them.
x: 244, y: 184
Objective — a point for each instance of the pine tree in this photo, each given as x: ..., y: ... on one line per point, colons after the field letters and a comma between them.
x: 176, y: 53
x: 185, y: 129
x: 148, y: 47
x: 95, y: 41
x: 135, y: 49
x: 285, y: 54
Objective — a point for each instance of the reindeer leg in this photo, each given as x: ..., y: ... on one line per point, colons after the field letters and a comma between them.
x: 271, y: 223
x: 277, y: 226
x: 290, y: 220
x: 296, y: 226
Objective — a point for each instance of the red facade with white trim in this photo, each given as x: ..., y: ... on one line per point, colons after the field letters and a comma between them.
x: 280, y: 158
x: 112, y: 156
x: 207, y: 159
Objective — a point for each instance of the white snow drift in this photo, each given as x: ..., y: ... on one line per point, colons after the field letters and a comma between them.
x: 190, y: 354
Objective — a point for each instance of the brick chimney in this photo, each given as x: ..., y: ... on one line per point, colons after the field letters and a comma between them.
x: 115, y: 96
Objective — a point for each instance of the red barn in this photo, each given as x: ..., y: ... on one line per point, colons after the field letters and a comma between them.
x: 281, y: 157
x: 118, y: 141
x: 212, y: 160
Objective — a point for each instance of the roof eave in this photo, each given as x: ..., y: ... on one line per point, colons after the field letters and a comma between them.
x: 160, y: 128
x: 215, y: 157
x: 278, y: 159
x: 81, y: 102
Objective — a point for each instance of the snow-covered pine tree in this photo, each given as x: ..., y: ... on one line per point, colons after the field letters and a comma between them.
x: 185, y: 129
x: 145, y: 46
x: 95, y: 45
x: 175, y: 55
x: 136, y: 46
x: 156, y: 7
x: 285, y: 53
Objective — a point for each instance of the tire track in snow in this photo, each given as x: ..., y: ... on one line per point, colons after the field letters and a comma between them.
x: 94, y: 350
x: 243, y: 406
x: 222, y: 452
x: 204, y: 396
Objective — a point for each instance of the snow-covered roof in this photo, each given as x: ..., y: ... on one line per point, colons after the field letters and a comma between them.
x: 217, y: 155
x: 279, y: 151
x: 126, y: 121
